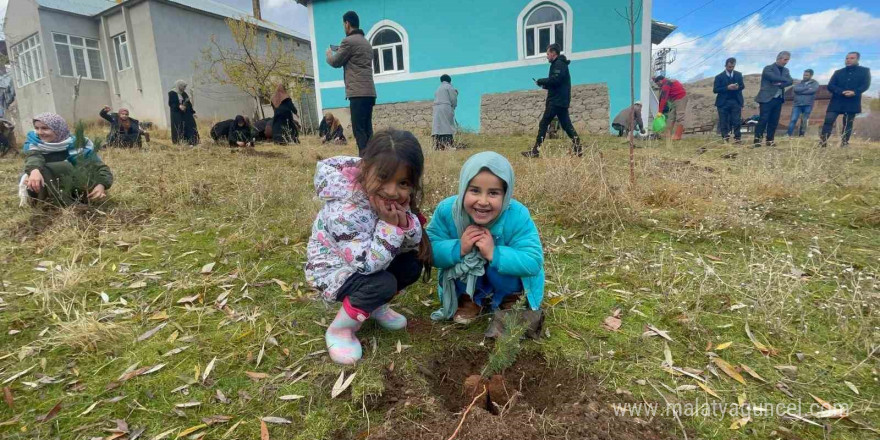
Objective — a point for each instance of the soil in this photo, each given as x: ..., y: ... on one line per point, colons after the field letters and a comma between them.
x: 532, y: 400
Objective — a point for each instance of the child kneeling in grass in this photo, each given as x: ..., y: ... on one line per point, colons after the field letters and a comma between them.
x: 485, y: 244
x: 59, y: 169
x: 367, y: 242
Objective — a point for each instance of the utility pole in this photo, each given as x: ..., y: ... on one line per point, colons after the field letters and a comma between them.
x: 257, y: 14
x: 663, y: 57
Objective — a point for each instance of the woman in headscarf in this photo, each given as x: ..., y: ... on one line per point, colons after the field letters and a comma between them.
x: 333, y: 132
x: 284, y: 126
x: 60, y: 168
x: 183, y: 121
x: 125, y: 131
x: 241, y: 134
x: 445, y: 101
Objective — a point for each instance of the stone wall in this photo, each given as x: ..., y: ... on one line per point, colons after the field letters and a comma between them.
x: 415, y: 116
x: 519, y: 112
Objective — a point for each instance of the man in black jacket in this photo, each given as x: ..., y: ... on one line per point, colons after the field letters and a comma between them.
x: 846, y: 87
x: 558, y: 86
x: 729, y: 86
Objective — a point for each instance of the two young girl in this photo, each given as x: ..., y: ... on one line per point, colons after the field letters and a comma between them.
x: 368, y: 241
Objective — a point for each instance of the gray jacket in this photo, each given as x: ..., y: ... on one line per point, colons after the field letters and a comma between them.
x: 805, y: 92
x: 769, y: 76
x: 355, y: 56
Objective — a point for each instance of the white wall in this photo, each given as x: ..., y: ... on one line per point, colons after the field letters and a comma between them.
x: 21, y: 22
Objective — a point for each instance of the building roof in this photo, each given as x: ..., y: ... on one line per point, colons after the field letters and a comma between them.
x: 660, y: 30
x: 96, y: 7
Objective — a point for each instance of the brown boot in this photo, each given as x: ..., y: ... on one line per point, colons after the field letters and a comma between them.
x: 467, y: 311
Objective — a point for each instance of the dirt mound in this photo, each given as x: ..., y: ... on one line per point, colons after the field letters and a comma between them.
x: 541, y: 401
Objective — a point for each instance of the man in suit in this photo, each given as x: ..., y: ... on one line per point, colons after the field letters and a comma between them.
x: 804, y: 96
x: 729, y: 100
x: 846, y: 87
x: 774, y: 79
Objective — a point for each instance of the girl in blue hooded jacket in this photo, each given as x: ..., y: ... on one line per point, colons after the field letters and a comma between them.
x: 485, y: 244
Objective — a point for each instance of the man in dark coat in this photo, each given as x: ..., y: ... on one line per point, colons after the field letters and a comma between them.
x: 774, y: 79
x: 558, y: 85
x: 355, y: 56
x: 729, y: 100
x: 846, y: 87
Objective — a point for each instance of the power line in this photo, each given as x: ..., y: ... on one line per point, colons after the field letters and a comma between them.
x: 728, y: 25
x: 693, y: 10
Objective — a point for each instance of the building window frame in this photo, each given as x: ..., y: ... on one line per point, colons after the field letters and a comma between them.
x: 90, y: 48
x: 121, y: 51
x: 399, y: 50
x: 523, y: 29
x: 27, y: 60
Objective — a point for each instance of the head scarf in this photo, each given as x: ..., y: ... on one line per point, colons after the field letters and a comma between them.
x: 279, y: 96
x: 497, y: 165
x: 56, y: 123
x: 179, y: 85
x: 239, y: 119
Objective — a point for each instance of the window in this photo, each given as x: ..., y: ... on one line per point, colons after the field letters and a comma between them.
x: 123, y: 60
x: 27, y: 60
x: 387, y: 51
x: 78, y: 56
x: 545, y: 25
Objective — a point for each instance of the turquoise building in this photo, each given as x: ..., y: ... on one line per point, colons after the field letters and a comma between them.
x: 487, y: 46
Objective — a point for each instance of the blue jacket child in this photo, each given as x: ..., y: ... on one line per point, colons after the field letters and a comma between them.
x: 485, y: 244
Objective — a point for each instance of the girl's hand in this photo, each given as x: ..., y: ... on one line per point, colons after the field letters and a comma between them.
x: 469, y: 237
x: 384, y: 211
x: 35, y: 181
x: 486, y: 245
x: 402, y: 217
x: 98, y: 192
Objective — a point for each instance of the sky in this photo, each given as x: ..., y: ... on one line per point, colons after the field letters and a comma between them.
x: 817, y: 33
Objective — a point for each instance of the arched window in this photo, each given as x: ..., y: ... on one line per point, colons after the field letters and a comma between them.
x: 387, y: 51
x: 544, y: 25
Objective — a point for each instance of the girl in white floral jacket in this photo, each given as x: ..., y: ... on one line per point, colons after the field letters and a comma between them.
x: 367, y: 242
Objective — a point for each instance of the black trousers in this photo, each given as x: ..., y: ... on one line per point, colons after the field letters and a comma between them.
x: 369, y: 292
x: 551, y: 111
x: 361, y: 109
x: 831, y: 119
x: 768, y: 119
x: 730, y: 119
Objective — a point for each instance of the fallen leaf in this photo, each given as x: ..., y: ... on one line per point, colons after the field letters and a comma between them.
x: 89, y: 409
x: 851, y: 386
x: 291, y: 397
x: 154, y: 369
x: 741, y: 399
x: 708, y: 390
x: 175, y: 351
x: 835, y: 413
x: 208, y: 369
x: 276, y: 420
x: 751, y: 372
x: 191, y: 430
x: 104, y: 297
x: 221, y: 397
x: 712, y: 257
x: 206, y: 269
x: 264, y: 430
x: 784, y: 389
x: 667, y: 354
x: 17, y: 375
x: 7, y: 396
x: 137, y: 285
x: 149, y: 333
x: 229, y: 431
x: 824, y: 404
x: 172, y: 337
x: 739, y: 423
x: 284, y: 287
x: 189, y: 299
x: 720, y: 347
x: 341, y: 384
x: 164, y: 434
x: 789, y: 371
x: 767, y: 351
x: 728, y: 369
x: 51, y: 414
x: 662, y: 333
x: 159, y: 316
x: 256, y: 376
x: 187, y: 404
x: 685, y: 388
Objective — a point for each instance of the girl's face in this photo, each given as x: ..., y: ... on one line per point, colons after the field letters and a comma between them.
x: 44, y: 132
x: 397, y: 188
x: 484, y: 197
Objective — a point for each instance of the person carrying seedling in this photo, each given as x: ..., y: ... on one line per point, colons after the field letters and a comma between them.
x: 60, y: 168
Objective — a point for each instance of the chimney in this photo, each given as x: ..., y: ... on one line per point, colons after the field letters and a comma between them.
x: 257, y: 14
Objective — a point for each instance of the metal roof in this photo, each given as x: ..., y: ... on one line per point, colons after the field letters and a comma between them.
x: 660, y: 30
x: 96, y: 7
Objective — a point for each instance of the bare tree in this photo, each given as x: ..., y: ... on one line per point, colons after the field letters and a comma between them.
x: 632, y: 17
x: 256, y: 63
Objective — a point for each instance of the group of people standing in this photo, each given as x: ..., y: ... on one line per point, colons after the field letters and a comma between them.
x: 846, y: 87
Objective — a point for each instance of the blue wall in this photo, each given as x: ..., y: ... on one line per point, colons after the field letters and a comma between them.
x: 459, y: 33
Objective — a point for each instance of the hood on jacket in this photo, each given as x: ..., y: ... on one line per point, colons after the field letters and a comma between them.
x: 497, y: 165
x: 563, y: 58
x: 336, y: 178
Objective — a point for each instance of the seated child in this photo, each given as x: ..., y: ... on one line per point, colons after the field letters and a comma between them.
x: 367, y: 242
x: 485, y: 244
x: 59, y: 169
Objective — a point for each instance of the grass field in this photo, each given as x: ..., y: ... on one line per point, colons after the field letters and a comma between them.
x: 177, y: 309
